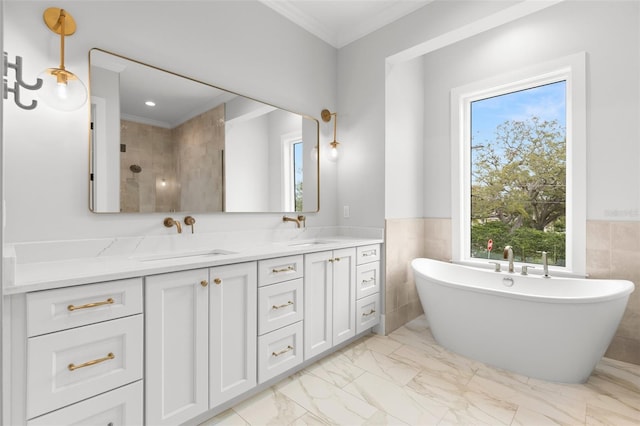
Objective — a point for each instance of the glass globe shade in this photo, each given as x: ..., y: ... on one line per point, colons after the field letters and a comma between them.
x: 62, y: 89
x: 333, y: 151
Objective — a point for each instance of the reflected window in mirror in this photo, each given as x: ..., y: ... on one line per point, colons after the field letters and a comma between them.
x: 293, y: 177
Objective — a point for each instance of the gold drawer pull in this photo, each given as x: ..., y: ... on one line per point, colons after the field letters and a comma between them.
x: 282, y: 306
x: 335, y: 259
x: 109, y: 356
x: 369, y: 280
x: 287, y: 269
x: 369, y: 253
x: 371, y: 312
x: 284, y: 351
x: 72, y: 308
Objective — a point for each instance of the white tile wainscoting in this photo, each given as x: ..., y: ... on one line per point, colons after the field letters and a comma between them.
x: 407, y: 378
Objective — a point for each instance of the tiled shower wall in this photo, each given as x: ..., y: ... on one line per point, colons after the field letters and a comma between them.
x: 613, y: 251
x: 182, y: 168
x: 200, y: 146
x: 151, y: 148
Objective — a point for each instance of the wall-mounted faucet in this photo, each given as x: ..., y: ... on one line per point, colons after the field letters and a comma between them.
x: 300, y: 220
x: 508, y: 254
x: 189, y: 221
x: 169, y: 222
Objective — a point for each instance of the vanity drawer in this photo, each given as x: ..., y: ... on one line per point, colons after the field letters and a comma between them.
x: 366, y: 254
x: 367, y: 312
x: 119, y: 407
x: 280, y: 269
x: 72, y: 365
x: 60, y: 309
x: 279, y: 351
x: 367, y: 279
x: 279, y: 305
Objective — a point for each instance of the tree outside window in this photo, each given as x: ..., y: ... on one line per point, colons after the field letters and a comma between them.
x: 518, y: 174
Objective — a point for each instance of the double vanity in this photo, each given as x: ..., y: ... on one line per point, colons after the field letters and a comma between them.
x: 172, y: 335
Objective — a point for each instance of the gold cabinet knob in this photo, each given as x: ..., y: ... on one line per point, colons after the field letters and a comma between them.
x: 218, y: 281
x: 204, y: 283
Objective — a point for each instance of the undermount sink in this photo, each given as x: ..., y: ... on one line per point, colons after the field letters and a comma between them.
x: 183, y: 255
x: 309, y: 243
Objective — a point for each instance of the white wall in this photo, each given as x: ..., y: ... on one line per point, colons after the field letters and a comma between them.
x: 404, y: 145
x: 361, y: 108
x: 613, y: 104
x: 5, y: 386
x: 242, y: 46
x: 607, y: 30
x: 280, y: 123
x: 247, y: 149
x: 105, y: 102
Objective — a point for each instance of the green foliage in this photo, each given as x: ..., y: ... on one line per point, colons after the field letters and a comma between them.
x: 298, y: 197
x: 520, y: 176
x: 518, y: 193
x: 527, y: 243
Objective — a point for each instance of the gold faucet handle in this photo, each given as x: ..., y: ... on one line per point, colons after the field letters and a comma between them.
x: 190, y: 220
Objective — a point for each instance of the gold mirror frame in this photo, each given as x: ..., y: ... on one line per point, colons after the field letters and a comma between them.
x: 308, y: 132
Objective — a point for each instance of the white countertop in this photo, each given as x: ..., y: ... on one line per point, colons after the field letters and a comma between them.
x: 105, y: 260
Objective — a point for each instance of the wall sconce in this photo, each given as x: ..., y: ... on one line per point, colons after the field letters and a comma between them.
x: 61, y: 89
x: 19, y: 83
x: 326, y: 117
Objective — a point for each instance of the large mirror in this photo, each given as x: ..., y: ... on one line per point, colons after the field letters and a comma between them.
x: 162, y: 142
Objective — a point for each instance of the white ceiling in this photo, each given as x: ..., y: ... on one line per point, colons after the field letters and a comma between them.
x: 339, y: 22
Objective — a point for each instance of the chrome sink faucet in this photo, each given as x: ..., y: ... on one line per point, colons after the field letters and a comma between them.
x: 508, y: 254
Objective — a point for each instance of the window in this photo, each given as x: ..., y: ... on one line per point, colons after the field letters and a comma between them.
x: 292, y: 173
x: 518, y: 173
x: 519, y: 166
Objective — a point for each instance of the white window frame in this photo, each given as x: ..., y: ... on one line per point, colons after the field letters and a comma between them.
x: 288, y: 171
x: 572, y: 70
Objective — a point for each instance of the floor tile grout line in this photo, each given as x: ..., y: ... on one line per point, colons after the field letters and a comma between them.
x: 592, y: 400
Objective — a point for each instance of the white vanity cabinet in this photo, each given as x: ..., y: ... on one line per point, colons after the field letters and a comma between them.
x: 330, y: 299
x: 120, y: 407
x: 367, y: 287
x: 232, y: 331
x: 280, y: 315
x: 84, y: 353
x: 168, y: 345
x: 177, y: 351
x: 200, y: 340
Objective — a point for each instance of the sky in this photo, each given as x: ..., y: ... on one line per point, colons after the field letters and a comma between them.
x: 545, y: 102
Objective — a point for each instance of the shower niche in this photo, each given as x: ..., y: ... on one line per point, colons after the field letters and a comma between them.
x: 163, y: 142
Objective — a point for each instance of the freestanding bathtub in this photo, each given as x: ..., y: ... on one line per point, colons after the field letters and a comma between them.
x: 554, y: 329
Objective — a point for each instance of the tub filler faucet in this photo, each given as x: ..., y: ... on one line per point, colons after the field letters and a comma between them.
x: 508, y: 254
x: 545, y: 264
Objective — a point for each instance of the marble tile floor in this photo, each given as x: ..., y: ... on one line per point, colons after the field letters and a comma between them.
x: 406, y: 378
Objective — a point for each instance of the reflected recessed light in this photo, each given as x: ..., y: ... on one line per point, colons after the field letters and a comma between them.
x: 150, y: 103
